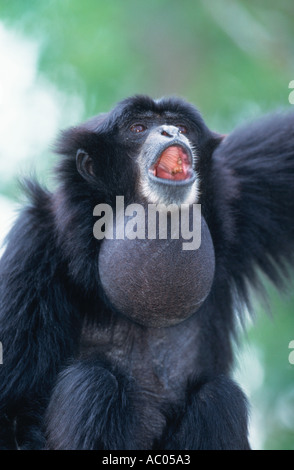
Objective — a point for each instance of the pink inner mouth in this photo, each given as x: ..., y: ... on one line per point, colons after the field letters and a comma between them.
x: 173, y: 164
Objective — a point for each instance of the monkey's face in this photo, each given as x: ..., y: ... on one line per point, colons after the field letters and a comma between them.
x: 147, y: 149
x: 167, y: 166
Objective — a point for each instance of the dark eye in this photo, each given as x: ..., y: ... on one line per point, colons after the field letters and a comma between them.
x: 138, y: 128
x: 182, y: 129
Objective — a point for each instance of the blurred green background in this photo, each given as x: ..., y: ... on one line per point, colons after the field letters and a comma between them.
x: 63, y: 61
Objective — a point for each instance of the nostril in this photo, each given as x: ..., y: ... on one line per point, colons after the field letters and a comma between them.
x: 166, y: 134
x: 169, y: 131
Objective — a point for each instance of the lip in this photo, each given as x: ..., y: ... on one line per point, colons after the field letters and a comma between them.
x: 169, y: 181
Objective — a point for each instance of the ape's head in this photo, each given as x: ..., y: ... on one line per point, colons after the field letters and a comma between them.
x: 143, y: 149
x: 150, y: 152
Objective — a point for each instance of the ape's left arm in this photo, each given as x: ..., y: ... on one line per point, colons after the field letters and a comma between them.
x: 259, y: 160
x: 252, y: 175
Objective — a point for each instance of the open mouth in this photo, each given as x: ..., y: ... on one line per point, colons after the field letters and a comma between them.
x: 174, y: 164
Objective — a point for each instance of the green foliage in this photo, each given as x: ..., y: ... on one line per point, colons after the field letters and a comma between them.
x: 110, y: 49
x: 274, y: 400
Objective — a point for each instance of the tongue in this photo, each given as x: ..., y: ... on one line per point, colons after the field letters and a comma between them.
x: 173, y: 164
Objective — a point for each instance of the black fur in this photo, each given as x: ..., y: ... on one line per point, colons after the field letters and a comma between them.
x: 78, y: 375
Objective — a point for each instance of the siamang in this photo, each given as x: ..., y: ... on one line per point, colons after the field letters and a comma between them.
x: 125, y: 342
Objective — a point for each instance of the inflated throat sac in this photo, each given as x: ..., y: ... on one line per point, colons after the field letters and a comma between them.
x: 155, y: 282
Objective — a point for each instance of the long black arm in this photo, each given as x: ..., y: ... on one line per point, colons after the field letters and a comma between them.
x: 259, y: 163
x: 38, y: 325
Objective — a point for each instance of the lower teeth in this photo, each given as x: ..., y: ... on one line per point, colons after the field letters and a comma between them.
x: 177, y: 169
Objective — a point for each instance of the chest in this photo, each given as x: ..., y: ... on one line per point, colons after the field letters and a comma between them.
x: 160, y: 360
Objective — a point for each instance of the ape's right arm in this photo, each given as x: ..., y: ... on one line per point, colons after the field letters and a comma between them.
x: 38, y: 325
